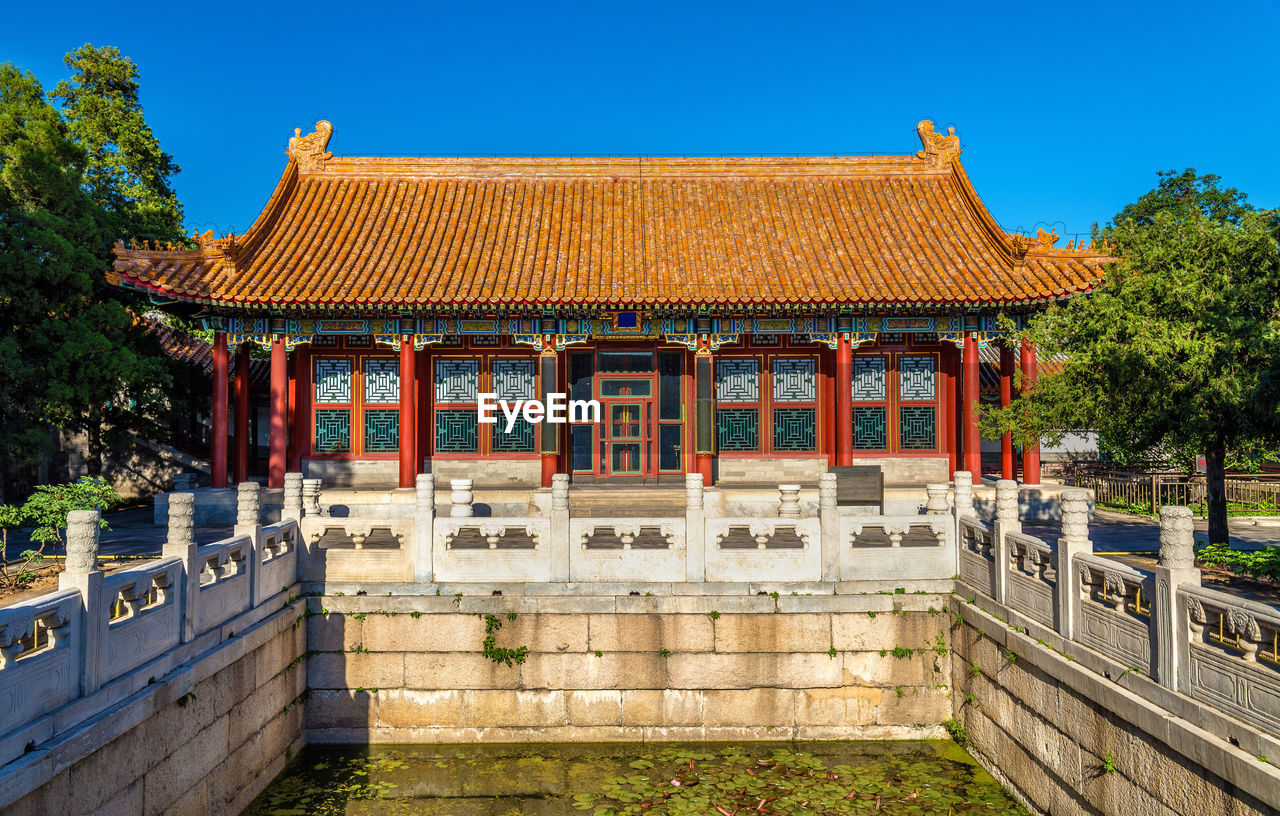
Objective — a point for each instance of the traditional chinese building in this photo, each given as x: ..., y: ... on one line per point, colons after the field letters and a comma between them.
x: 753, y: 319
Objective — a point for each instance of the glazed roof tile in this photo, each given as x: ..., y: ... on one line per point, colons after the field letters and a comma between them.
x: 406, y: 233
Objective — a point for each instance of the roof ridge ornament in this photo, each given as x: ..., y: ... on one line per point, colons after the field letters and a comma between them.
x: 939, y: 151
x: 1045, y: 240
x: 310, y: 150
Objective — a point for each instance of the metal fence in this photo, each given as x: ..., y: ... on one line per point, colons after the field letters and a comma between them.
x: 1148, y: 492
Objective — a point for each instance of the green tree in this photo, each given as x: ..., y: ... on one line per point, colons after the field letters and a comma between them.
x: 1177, y: 348
x: 74, y: 353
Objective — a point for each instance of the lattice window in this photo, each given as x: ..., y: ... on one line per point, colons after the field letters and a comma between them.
x: 869, y: 432
x: 514, y: 379
x: 738, y: 380
x: 456, y: 431
x: 381, y: 430
x: 359, y: 341
x: 738, y: 429
x: 916, y: 379
x: 795, y: 379
x: 868, y: 378
x: 381, y: 381
x: 324, y: 341
x: 332, y: 379
x: 766, y: 339
x: 457, y: 380
x: 795, y: 429
x: 333, y: 430
x: 917, y: 427
x: 486, y: 340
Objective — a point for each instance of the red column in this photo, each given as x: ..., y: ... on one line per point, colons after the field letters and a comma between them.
x: 1030, y: 453
x: 548, y: 433
x: 844, y: 401
x: 1007, y: 470
x: 972, y: 439
x: 218, y: 457
x: 242, y: 413
x: 408, y: 416
x: 278, y: 439
x: 704, y: 393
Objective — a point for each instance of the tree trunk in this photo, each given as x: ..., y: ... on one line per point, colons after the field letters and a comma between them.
x: 1215, y: 484
x: 93, y: 449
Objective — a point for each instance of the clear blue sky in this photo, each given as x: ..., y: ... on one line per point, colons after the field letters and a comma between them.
x: 1065, y: 110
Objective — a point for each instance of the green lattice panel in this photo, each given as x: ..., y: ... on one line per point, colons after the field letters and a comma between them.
x: 737, y: 380
x: 513, y: 379
x: 795, y: 379
x: 868, y: 378
x: 795, y: 429
x: 916, y: 379
x: 332, y: 379
x: 456, y: 431
x: 869, y: 428
x: 737, y: 429
x: 917, y: 428
x: 381, y: 430
x: 381, y: 381
x: 333, y: 430
x: 520, y: 440
x: 456, y: 380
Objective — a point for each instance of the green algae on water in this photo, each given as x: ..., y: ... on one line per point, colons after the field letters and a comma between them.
x: 909, y: 778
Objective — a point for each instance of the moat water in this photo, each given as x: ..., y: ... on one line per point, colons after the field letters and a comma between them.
x: 688, y: 779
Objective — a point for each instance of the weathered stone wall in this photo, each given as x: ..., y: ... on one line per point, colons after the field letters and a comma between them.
x: 410, y: 669
x: 1070, y: 740
x: 205, y: 739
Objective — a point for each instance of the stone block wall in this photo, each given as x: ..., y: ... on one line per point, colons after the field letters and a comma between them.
x: 205, y: 739
x: 693, y: 668
x: 1071, y: 741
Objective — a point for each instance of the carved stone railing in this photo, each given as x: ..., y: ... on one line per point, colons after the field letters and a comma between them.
x: 627, y: 549
x: 1115, y: 610
x: 1033, y: 578
x: 763, y: 549
x: 358, y: 549
x: 507, y: 548
x: 224, y: 583
x: 39, y: 666
x: 887, y: 548
x: 102, y: 637
x: 1234, y: 654
x: 977, y: 547
x: 138, y: 616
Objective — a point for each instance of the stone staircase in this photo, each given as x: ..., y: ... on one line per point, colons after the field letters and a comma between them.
x: 614, y: 501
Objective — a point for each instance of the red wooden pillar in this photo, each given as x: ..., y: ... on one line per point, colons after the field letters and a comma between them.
x: 1007, y: 470
x: 242, y: 413
x: 972, y: 439
x: 947, y: 410
x: 548, y: 433
x: 278, y: 432
x: 705, y: 390
x: 827, y: 397
x: 425, y: 394
x: 1031, y: 452
x: 295, y: 419
x: 844, y: 401
x: 408, y: 416
x: 218, y: 456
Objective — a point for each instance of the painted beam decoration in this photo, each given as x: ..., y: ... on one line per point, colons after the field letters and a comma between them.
x: 557, y: 333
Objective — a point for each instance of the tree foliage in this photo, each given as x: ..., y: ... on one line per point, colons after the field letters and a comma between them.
x: 74, y: 355
x: 1176, y: 350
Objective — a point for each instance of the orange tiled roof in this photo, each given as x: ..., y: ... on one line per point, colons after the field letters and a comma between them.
x: 405, y: 233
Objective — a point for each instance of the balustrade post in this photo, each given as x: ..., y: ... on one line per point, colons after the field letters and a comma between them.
x: 789, y: 501
x: 181, y: 543
x: 829, y: 525
x: 1176, y: 568
x: 82, y: 574
x: 937, y: 504
x: 248, y: 523
x: 1006, y: 523
x: 961, y: 506
x: 424, y: 519
x: 695, y: 533
x: 561, y: 553
x: 1074, y: 539
x: 292, y: 497
x: 461, y: 498
x: 311, y: 497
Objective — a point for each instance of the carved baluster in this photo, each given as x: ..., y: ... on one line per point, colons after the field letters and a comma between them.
x: 937, y: 504
x: 695, y: 528
x: 292, y: 497
x: 1171, y: 642
x: 461, y: 498
x: 829, y: 520
x: 424, y: 517
x: 561, y: 558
